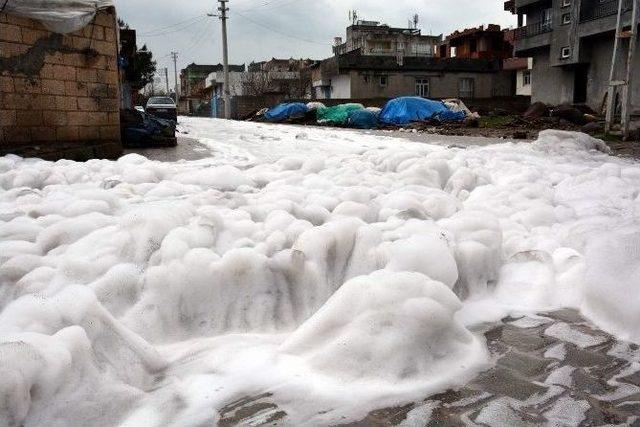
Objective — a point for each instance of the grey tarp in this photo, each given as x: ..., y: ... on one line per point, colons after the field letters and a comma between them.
x: 60, y: 16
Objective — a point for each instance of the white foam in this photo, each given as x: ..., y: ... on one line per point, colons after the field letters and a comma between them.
x: 157, y: 293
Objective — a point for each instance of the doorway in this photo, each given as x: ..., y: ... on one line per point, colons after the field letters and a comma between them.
x: 581, y: 79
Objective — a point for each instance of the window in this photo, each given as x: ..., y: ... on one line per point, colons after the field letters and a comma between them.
x: 546, y: 18
x: 401, y: 46
x: 526, y: 78
x: 566, y: 3
x: 422, y: 87
x: 383, y: 81
x: 453, y: 51
x: 566, y: 18
x: 473, y: 45
x: 465, y: 88
x: 565, y: 52
x: 423, y: 48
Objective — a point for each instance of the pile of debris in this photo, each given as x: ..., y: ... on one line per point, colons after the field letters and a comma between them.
x: 139, y: 129
x: 443, y: 117
x: 396, y: 112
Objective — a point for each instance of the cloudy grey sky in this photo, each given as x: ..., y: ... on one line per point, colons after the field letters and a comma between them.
x: 262, y: 29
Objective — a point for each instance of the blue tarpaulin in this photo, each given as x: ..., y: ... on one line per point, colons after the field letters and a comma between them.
x: 284, y: 111
x: 363, y: 119
x: 404, y: 110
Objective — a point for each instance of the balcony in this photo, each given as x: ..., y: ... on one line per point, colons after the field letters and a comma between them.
x: 532, y: 30
x: 597, y: 10
x: 524, y: 3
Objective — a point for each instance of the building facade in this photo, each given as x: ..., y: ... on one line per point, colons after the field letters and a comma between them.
x: 571, y: 43
x: 521, y: 69
x: 59, y: 93
x: 375, y: 39
x: 355, y: 76
x: 490, y: 42
x: 193, y: 85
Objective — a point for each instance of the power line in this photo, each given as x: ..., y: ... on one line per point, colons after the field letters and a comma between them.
x: 174, y: 31
x: 273, y: 3
x: 196, y: 41
x: 260, y: 24
x: 166, y: 27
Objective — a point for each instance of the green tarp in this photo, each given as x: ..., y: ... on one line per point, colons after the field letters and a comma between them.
x: 337, y: 115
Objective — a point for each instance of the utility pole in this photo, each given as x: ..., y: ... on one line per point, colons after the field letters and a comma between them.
x: 166, y: 78
x: 174, y: 55
x: 225, y: 57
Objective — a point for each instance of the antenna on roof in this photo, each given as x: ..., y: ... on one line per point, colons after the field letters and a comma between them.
x: 353, y: 16
x: 416, y: 19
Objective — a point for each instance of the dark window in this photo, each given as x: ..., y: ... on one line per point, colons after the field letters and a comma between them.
x: 383, y: 81
x: 566, y: 18
x: 473, y: 46
x: 546, y: 18
x: 526, y: 78
x: 565, y: 52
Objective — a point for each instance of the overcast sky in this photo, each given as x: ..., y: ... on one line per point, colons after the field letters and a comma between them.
x: 262, y: 29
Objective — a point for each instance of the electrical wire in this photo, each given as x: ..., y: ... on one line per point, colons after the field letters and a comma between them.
x: 196, y: 42
x: 180, y: 26
x: 271, y: 3
x: 260, y: 24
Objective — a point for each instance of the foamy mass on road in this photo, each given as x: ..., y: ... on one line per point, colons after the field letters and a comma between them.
x: 338, y: 271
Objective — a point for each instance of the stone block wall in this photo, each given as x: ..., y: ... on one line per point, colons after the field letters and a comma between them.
x: 59, y: 94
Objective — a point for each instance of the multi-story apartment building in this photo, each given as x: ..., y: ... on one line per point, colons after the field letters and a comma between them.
x: 373, y: 38
x: 378, y: 61
x: 571, y: 43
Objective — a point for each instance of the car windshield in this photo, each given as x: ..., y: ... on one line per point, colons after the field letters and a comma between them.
x: 160, y: 100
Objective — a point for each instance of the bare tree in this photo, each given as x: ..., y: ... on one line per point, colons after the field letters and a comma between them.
x: 292, y: 85
x: 257, y: 83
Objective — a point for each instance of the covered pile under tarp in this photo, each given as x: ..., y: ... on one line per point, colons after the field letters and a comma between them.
x: 337, y: 115
x: 59, y: 16
x: 407, y: 109
x: 139, y: 129
x: 286, y: 111
x: 363, y: 119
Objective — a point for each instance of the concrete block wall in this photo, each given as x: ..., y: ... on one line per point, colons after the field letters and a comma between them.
x: 59, y: 95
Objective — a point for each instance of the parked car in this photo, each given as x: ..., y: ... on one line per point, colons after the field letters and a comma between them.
x: 162, y: 107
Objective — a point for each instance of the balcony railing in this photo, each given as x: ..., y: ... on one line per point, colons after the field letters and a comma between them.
x: 598, y: 10
x: 532, y: 30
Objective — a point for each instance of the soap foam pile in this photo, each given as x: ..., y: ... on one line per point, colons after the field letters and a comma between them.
x: 338, y: 271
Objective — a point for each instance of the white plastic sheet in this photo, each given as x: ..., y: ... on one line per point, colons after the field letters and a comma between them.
x: 60, y: 16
